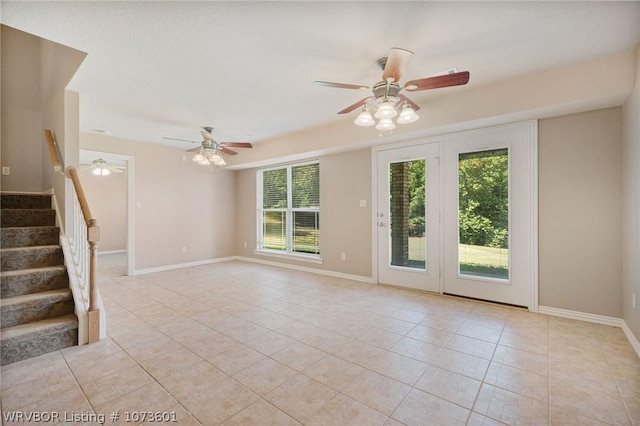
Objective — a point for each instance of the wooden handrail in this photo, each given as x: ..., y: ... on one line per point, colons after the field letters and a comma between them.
x: 93, y: 237
x: 53, y: 152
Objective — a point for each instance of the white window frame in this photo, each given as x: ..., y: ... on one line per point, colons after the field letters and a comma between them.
x: 289, y: 212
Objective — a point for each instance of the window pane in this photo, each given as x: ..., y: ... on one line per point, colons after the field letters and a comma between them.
x: 407, y: 214
x: 306, y: 232
x: 483, y: 210
x: 305, y: 186
x: 274, y: 189
x: 274, y: 228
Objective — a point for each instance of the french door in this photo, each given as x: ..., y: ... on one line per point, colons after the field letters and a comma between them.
x: 457, y: 215
x: 407, y: 217
x: 488, y: 213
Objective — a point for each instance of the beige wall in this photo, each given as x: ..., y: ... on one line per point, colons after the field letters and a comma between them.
x: 345, y: 227
x: 580, y: 212
x: 107, y: 196
x: 631, y: 206
x: 178, y: 203
x: 21, y: 111
x: 35, y: 73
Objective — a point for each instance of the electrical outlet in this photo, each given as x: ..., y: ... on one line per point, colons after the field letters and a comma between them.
x: 633, y: 300
x: 184, y: 249
x: 344, y: 256
x: 245, y: 244
x: 363, y: 203
x: 6, y: 171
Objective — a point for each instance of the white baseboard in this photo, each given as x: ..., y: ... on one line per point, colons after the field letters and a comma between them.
x: 250, y: 259
x: 581, y: 316
x: 112, y: 252
x: 181, y: 265
x: 307, y: 269
x: 632, y: 339
x: 597, y: 319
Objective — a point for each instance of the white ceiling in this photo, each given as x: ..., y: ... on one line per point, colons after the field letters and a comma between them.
x: 159, y: 69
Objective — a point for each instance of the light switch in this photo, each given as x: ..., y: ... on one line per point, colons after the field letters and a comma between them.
x: 6, y: 171
x: 363, y: 203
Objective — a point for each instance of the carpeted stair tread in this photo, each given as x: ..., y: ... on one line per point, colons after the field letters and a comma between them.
x: 37, y: 338
x: 33, y: 307
x: 27, y: 217
x: 26, y: 281
x: 36, y: 303
x: 30, y: 257
x: 25, y: 201
x: 29, y: 236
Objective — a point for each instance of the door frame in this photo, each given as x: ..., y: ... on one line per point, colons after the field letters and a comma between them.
x: 129, y: 161
x: 531, y: 127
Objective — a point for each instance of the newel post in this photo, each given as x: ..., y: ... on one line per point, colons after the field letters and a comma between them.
x: 93, y: 315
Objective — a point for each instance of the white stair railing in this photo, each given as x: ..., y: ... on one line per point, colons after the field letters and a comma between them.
x: 83, y: 244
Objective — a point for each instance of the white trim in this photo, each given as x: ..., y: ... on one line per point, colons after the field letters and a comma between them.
x: 112, y: 252
x: 534, y: 289
x: 581, y: 316
x: 306, y: 269
x: 181, y: 265
x: 290, y: 256
x: 632, y: 339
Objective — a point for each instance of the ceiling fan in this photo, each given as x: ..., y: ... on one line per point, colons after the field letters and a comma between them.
x: 101, y: 167
x: 210, y: 152
x: 386, y: 99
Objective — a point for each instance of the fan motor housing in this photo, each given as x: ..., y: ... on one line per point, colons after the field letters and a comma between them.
x: 383, y: 90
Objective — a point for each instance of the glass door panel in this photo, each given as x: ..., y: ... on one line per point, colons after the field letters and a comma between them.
x: 407, y: 214
x: 483, y: 213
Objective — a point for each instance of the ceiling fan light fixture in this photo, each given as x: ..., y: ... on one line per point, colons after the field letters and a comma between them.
x: 105, y: 172
x: 364, y: 119
x: 408, y: 115
x: 385, y: 124
x: 198, y: 157
x: 386, y: 110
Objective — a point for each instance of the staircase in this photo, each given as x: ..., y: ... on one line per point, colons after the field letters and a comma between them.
x: 36, y: 304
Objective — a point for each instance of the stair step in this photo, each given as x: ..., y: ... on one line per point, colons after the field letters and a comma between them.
x: 27, y: 308
x: 28, y: 281
x: 29, y: 236
x: 25, y: 201
x: 37, y: 338
x: 27, y: 217
x: 30, y: 257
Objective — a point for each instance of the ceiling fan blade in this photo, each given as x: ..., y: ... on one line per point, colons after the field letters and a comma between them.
x: 206, y: 135
x: 193, y: 149
x: 226, y: 150
x: 358, y: 104
x: 115, y: 170
x: 396, y: 63
x: 236, y: 144
x: 340, y: 85
x: 181, y: 140
x: 447, y: 80
x: 413, y: 105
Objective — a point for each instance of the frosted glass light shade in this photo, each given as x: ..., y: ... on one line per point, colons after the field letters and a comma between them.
x: 198, y: 158
x: 408, y: 115
x: 385, y: 124
x: 364, y: 119
x: 386, y: 110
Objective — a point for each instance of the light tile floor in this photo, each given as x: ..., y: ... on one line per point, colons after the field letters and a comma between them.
x: 238, y: 344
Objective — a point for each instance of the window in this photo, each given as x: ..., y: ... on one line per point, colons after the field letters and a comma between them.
x: 289, y: 209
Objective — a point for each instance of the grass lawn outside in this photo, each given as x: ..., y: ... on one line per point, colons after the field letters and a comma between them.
x: 474, y: 260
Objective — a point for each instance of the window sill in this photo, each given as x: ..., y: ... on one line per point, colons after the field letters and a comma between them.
x: 290, y: 256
